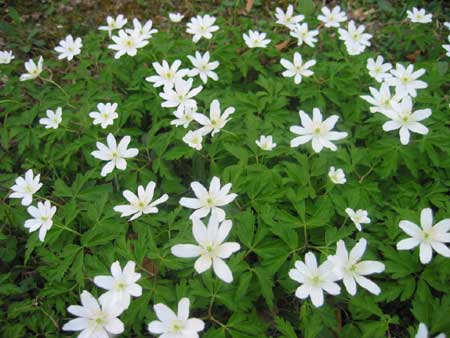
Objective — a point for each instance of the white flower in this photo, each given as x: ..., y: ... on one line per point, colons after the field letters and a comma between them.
x: 181, y: 96
x: 121, y: 285
x: 211, y: 247
x: 203, y: 67
x: 34, y: 70
x: 53, y: 118
x: 314, y: 279
x: 320, y: 133
x: 142, y: 203
x: 167, y: 74
x: 114, y: 154
x: 142, y: 32
x: 447, y: 24
x: 406, y: 80
x: 184, y: 117
x: 354, y: 38
x: 379, y: 70
x: 352, y: 270
x: 358, y: 217
x: 446, y: 47
x: 381, y: 100
x: 288, y: 19
x: 105, y: 115
x: 26, y: 187
x: 42, y: 218
x: 69, y: 47
x: 176, y: 17
x: 116, y: 23
x: 419, y: 15
x: 255, y: 39
x: 94, y: 321
x: 403, y: 118
x: 297, y: 69
x: 216, y: 121
x: 194, y: 139
x: 171, y: 325
x: 266, y: 143
x: 209, y: 201
x: 202, y: 27
x: 6, y: 56
x: 337, y: 176
x: 332, y: 18
x: 428, y: 238
x: 127, y: 43
x: 423, y: 332
x: 304, y: 35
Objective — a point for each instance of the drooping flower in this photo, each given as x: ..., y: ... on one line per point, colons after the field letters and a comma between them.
x: 332, y: 18
x: 406, y: 80
x: 42, y: 218
x: 167, y: 74
x: 422, y: 332
x: 209, y: 201
x: 94, y: 321
x: 127, y: 43
x: 105, y: 115
x: 114, y: 154
x: 304, y: 35
x: 171, y: 325
x: 68, y: 48
x: 113, y: 24
x: 142, y: 32
x: 297, y: 68
x: 181, y: 96
x: 317, y: 131
x: 337, y: 176
x: 358, y: 217
x: 34, y: 70
x: 419, y: 15
x: 176, y: 17
x: 194, y: 139
x: 354, y: 38
x: 6, y: 56
x: 314, y: 279
x: 202, y: 67
x: 211, y: 247
x: 266, y: 143
x: 429, y: 237
x: 202, y: 27
x: 352, y: 270
x: 288, y: 19
x: 379, y: 70
x: 381, y: 100
x: 404, y: 118
x: 255, y: 39
x: 121, y: 285
x: 216, y: 120
x: 53, y: 118
x: 142, y: 203
x: 26, y: 187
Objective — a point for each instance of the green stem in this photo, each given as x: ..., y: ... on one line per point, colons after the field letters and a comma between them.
x: 68, y: 229
x: 59, y: 87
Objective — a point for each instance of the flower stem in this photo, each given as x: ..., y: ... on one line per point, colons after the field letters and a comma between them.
x: 59, y: 87
x: 68, y: 229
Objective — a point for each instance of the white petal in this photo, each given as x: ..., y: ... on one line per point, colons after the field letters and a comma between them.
x: 222, y: 270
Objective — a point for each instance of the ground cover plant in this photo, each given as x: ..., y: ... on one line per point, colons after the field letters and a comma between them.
x: 246, y: 169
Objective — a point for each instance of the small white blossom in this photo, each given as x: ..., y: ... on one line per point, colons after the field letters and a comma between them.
x: 105, y: 115
x: 202, y: 67
x: 194, y: 139
x: 142, y: 32
x: 381, y: 100
x: 406, y: 80
x: 42, y: 218
x: 34, y: 70
x: 354, y: 38
x: 358, y: 217
x: 176, y: 17
x: 297, y: 68
x: 209, y: 201
x: 332, y: 18
x: 304, y: 35
x: 419, y: 15
x: 337, y: 176
x: 211, y: 247
x: 167, y: 74
x: 255, y: 39
x: 53, y: 118
x: 113, y: 24
x: 216, y: 120
x: 181, y: 96
x: 127, y: 43
x: 6, y: 56
x: 142, y: 203
x: 288, y: 19
x: 266, y: 143
x: 184, y: 117
x: 379, y: 70
x: 202, y: 27
x: 114, y: 154
x: 422, y: 332
x: 69, y: 47
x: 446, y: 47
x: 26, y: 187
x: 429, y: 237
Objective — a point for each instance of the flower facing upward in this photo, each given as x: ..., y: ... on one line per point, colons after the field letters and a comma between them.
x: 352, y: 270
x: 358, y: 217
x: 216, y: 120
x: 127, y: 43
x: 209, y: 201
x: 142, y: 32
x: 337, y: 176
x: 406, y: 80
x: 171, y: 325
x: 26, y: 187
x: 266, y: 143
x: 332, y: 18
x: 43, y: 215
x: 354, y: 38
x: 304, y: 35
x: 379, y: 70
x: 34, y: 70
x: 68, y: 48
x: 53, y: 118
x: 381, y: 100
x: 121, y: 285
x: 403, y: 118
x: 202, y: 67
x: 317, y: 131
x: 94, y: 321
x: 211, y: 247
x: 255, y: 39
x: 113, y: 24
x: 314, y: 279
x: 297, y: 68
x: 6, y: 56
x: 105, y: 115
x: 176, y: 17
x: 202, y: 27
x: 167, y: 74
x: 419, y: 16
x: 182, y: 96
x: 429, y: 237
x: 114, y: 154
x: 194, y: 139
x: 288, y: 19
x: 142, y: 203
